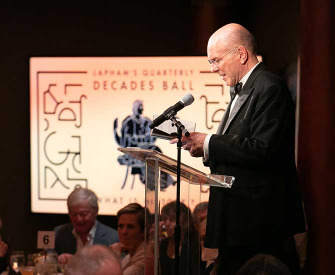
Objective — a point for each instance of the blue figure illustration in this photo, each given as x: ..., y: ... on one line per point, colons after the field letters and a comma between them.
x: 135, y: 132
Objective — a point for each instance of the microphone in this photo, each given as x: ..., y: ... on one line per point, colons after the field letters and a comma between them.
x: 185, y: 101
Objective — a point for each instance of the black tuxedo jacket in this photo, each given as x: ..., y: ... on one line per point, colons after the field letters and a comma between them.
x: 255, y: 144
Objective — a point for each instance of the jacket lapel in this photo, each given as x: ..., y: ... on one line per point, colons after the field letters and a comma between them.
x: 98, y: 234
x: 224, y: 118
x: 244, y: 95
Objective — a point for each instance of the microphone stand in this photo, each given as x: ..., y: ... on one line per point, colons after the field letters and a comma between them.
x: 177, y: 232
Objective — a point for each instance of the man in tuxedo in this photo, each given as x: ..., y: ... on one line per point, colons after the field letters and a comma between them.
x: 255, y: 144
x: 84, y: 229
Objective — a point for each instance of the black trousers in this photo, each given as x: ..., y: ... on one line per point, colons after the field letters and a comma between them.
x: 231, y: 259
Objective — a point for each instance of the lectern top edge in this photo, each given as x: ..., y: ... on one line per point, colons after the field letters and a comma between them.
x: 169, y: 165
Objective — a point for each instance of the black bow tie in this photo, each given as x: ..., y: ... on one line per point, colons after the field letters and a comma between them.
x: 235, y: 90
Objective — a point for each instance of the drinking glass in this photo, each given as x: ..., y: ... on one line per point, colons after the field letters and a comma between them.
x: 27, y: 270
x: 16, y: 260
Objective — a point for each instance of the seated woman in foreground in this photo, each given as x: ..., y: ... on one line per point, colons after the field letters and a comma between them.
x: 189, y: 244
x: 131, y: 229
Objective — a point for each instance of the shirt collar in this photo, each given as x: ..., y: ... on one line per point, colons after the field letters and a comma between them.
x: 90, y: 234
x: 245, y: 78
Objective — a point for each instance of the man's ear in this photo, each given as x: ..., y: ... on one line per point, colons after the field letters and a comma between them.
x: 243, y: 54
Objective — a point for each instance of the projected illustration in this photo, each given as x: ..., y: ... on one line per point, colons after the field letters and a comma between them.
x: 135, y: 132
x: 82, y: 109
x: 60, y: 110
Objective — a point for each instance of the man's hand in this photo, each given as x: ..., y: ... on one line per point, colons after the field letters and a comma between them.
x: 194, y: 143
x: 3, y: 249
x: 64, y: 258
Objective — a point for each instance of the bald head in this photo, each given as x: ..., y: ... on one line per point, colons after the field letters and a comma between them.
x: 233, y: 35
x: 94, y: 260
x: 232, y: 53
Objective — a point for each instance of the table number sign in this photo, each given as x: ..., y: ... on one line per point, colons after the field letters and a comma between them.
x: 46, y: 240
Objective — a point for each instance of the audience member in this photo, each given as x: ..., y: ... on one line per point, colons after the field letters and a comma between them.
x: 199, y: 214
x: 84, y: 228
x: 3, y: 252
x: 132, y: 229
x: 94, y: 260
x: 209, y: 256
x: 189, y: 245
x: 264, y: 264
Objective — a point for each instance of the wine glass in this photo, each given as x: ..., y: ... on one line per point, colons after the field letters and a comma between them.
x: 16, y: 260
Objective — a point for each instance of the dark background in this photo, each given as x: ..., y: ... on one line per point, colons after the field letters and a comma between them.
x: 179, y: 28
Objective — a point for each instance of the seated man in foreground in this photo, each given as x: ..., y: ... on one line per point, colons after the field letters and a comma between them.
x: 94, y: 260
x: 84, y: 229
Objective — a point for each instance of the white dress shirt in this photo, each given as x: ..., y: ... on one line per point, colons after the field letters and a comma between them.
x: 90, y: 237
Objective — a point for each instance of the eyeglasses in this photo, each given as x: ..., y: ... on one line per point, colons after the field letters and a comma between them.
x: 216, y: 62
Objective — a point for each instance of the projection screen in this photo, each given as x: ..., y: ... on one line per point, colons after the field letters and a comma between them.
x: 84, y: 108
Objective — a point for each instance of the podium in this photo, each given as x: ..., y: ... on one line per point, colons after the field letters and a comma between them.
x: 160, y: 203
